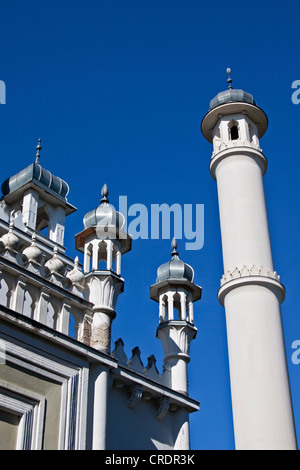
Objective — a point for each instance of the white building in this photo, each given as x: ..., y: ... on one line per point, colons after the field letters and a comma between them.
x: 62, y: 384
x: 61, y: 392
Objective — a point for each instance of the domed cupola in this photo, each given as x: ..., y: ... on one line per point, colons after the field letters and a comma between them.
x: 39, y: 175
x: 225, y: 105
x: 42, y: 199
x: 231, y: 95
x: 104, y: 215
x: 175, y: 268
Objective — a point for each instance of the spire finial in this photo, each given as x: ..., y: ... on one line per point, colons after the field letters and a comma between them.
x: 174, y: 247
x: 229, y: 79
x: 11, y: 221
x: 104, y: 194
x: 38, y: 148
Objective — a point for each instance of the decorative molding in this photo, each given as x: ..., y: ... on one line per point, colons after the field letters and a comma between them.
x: 30, y: 407
x: 135, y: 397
x: 163, y: 408
x: 73, y: 382
x: 246, y: 271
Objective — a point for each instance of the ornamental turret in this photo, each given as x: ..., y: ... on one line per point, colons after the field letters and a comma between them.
x: 175, y: 293
x: 103, y: 242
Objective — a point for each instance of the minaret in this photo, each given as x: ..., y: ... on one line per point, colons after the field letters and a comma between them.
x: 251, y: 291
x: 103, y: 242
x: 175, y: 292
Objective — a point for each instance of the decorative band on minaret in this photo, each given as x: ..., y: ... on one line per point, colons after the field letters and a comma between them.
x: 251, y: 291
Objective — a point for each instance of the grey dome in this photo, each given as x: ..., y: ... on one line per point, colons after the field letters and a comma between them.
x: 104, y: 215
x: 231, y: 96
x: 175, y: 268
x: 37, y: 174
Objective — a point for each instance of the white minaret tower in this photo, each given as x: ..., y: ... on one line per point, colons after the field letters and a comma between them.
x: 251, y: 291
x: 103, y: 242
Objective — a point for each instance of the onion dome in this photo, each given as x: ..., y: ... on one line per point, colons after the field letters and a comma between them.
x: 175, y: 268
x: 76, y: 276
x: 230, y: 102
x: 32, y: 254
x: 34, y: 173
x: 231, y: 96
x: 104, y: 215
x: 54, y: 265
x: 9, y: 240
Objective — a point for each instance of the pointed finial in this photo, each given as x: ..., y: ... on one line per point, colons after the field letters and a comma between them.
x: 11, y: 222
x: 174, y: 247
x: 38, y: 149
x: 33, y: 239
x: 229, y: 79
x: 104, y: 194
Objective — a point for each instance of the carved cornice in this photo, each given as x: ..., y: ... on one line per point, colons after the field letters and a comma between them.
x: 135, y: 397
x: 163, y: 408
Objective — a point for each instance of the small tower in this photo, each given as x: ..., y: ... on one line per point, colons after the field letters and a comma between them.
x: 39, y: 201
x: 103, y: 242
x: 251, y: 291
x: 175, y: 292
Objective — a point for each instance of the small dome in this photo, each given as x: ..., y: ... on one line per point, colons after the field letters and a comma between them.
x: 231, y: 96
x: 76, y: 276
x: 104, y: 215
x: 37, y: 174
x: 10, y: 240
x: 32, y: 253
x: 175, y: 268
x: 54, y: 265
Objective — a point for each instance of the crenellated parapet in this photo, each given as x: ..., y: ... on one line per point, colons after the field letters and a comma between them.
x: 150, y: 372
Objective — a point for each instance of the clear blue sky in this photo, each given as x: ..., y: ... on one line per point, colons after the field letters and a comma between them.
x: 117, y: 91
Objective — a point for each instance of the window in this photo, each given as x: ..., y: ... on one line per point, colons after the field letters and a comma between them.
x: 234, y: 133
x: 233, y: 128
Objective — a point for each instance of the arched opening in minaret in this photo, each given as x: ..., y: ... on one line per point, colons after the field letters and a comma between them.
x: 177, y: 307
x: 102, y: 256
x: 233, y: 128
x: 234, y: 133
x: 165, y: 309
